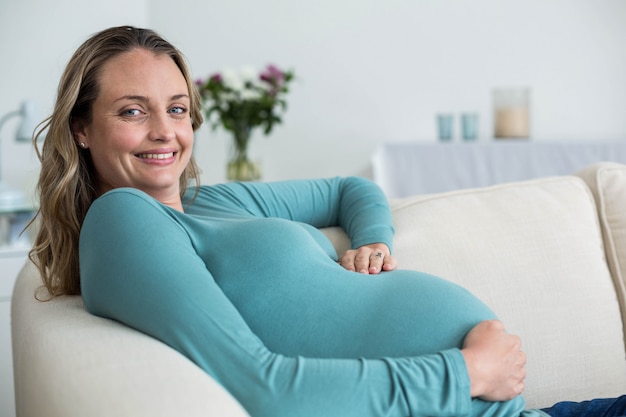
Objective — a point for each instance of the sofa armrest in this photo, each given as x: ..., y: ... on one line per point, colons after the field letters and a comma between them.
x: 69, y: 363
x: 607, y: 182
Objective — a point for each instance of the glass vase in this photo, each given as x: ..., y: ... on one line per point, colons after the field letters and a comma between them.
x: 239, y: 166
x: 511, y: 113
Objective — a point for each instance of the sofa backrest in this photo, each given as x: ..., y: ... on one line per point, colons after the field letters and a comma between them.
x: 533, y: 251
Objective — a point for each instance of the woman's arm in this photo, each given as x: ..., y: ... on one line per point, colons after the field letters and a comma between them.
x: 356, y: 204
x: 138, y: 267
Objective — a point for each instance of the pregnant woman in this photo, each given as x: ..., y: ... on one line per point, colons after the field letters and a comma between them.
x: 237, y: 277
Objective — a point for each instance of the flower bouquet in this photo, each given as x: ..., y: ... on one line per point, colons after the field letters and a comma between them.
x: 240, y: 101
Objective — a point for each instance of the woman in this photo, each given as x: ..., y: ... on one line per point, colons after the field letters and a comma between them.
x: 236, y: 276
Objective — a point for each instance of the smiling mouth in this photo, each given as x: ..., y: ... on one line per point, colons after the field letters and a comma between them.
x: 156, y: 155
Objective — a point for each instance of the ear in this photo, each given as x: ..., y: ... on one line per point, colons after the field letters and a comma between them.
x: 79, y: 130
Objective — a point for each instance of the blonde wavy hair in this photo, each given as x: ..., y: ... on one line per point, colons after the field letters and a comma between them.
x: 66, y: 185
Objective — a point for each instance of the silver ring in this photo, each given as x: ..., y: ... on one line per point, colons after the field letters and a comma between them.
x: 378, y: 254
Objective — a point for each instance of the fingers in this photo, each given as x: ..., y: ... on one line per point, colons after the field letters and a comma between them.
x: 368, y: 260
x: 363, y: 261
x: 518, y: 374
x: 372, y: 264
x: 389, y: 264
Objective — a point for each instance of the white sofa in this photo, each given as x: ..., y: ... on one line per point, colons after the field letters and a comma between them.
x: 548, y: 255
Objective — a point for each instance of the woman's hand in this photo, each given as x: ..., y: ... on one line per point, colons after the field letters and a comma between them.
x: 369, y: 259
x: 495, y: 362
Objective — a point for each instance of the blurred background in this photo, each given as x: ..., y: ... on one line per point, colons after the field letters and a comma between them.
x: 368, y: 71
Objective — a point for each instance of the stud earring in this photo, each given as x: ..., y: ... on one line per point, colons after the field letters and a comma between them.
x: 83, y: 145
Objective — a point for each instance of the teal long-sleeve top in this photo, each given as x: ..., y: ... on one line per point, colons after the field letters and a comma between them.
x: 245, y: 285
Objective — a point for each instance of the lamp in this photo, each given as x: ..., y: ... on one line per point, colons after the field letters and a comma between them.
x: 12, y: 199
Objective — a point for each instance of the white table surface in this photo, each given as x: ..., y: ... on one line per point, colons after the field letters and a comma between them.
x: 408, y: 168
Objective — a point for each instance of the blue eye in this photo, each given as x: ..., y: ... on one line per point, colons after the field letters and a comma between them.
x: 130, y: 112
x: 178, y: 110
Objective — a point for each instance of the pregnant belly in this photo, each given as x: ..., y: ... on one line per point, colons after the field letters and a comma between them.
x: 330, y: 312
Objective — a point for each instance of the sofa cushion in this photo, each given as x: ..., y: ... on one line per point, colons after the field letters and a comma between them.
x: 533, y: 252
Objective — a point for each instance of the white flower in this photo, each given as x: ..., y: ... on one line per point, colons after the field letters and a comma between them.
x: 248, y: 74
x: 250, y: 95
x: 226, y: 97
x: 232, y: 79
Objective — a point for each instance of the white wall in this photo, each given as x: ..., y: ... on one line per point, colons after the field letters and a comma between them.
x: 368, y: 71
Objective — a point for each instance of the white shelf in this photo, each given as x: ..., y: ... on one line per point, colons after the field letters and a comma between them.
x: 408, y: 168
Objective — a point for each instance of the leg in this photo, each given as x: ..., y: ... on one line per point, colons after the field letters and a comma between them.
x: 601, y: 407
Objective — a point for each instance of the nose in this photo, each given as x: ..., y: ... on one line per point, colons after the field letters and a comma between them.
x: 161, y: 128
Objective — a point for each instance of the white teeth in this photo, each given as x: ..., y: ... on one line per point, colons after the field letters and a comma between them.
x: 156, y: 155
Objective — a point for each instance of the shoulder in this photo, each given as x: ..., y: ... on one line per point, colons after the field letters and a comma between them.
x: 129, y: 218
x: 125, y: 196
x: 125, y: 205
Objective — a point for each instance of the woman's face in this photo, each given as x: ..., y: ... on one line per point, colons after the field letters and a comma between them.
x: 140, y: 135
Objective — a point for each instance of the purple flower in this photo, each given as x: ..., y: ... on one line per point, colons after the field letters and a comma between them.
x: 272, y: 75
